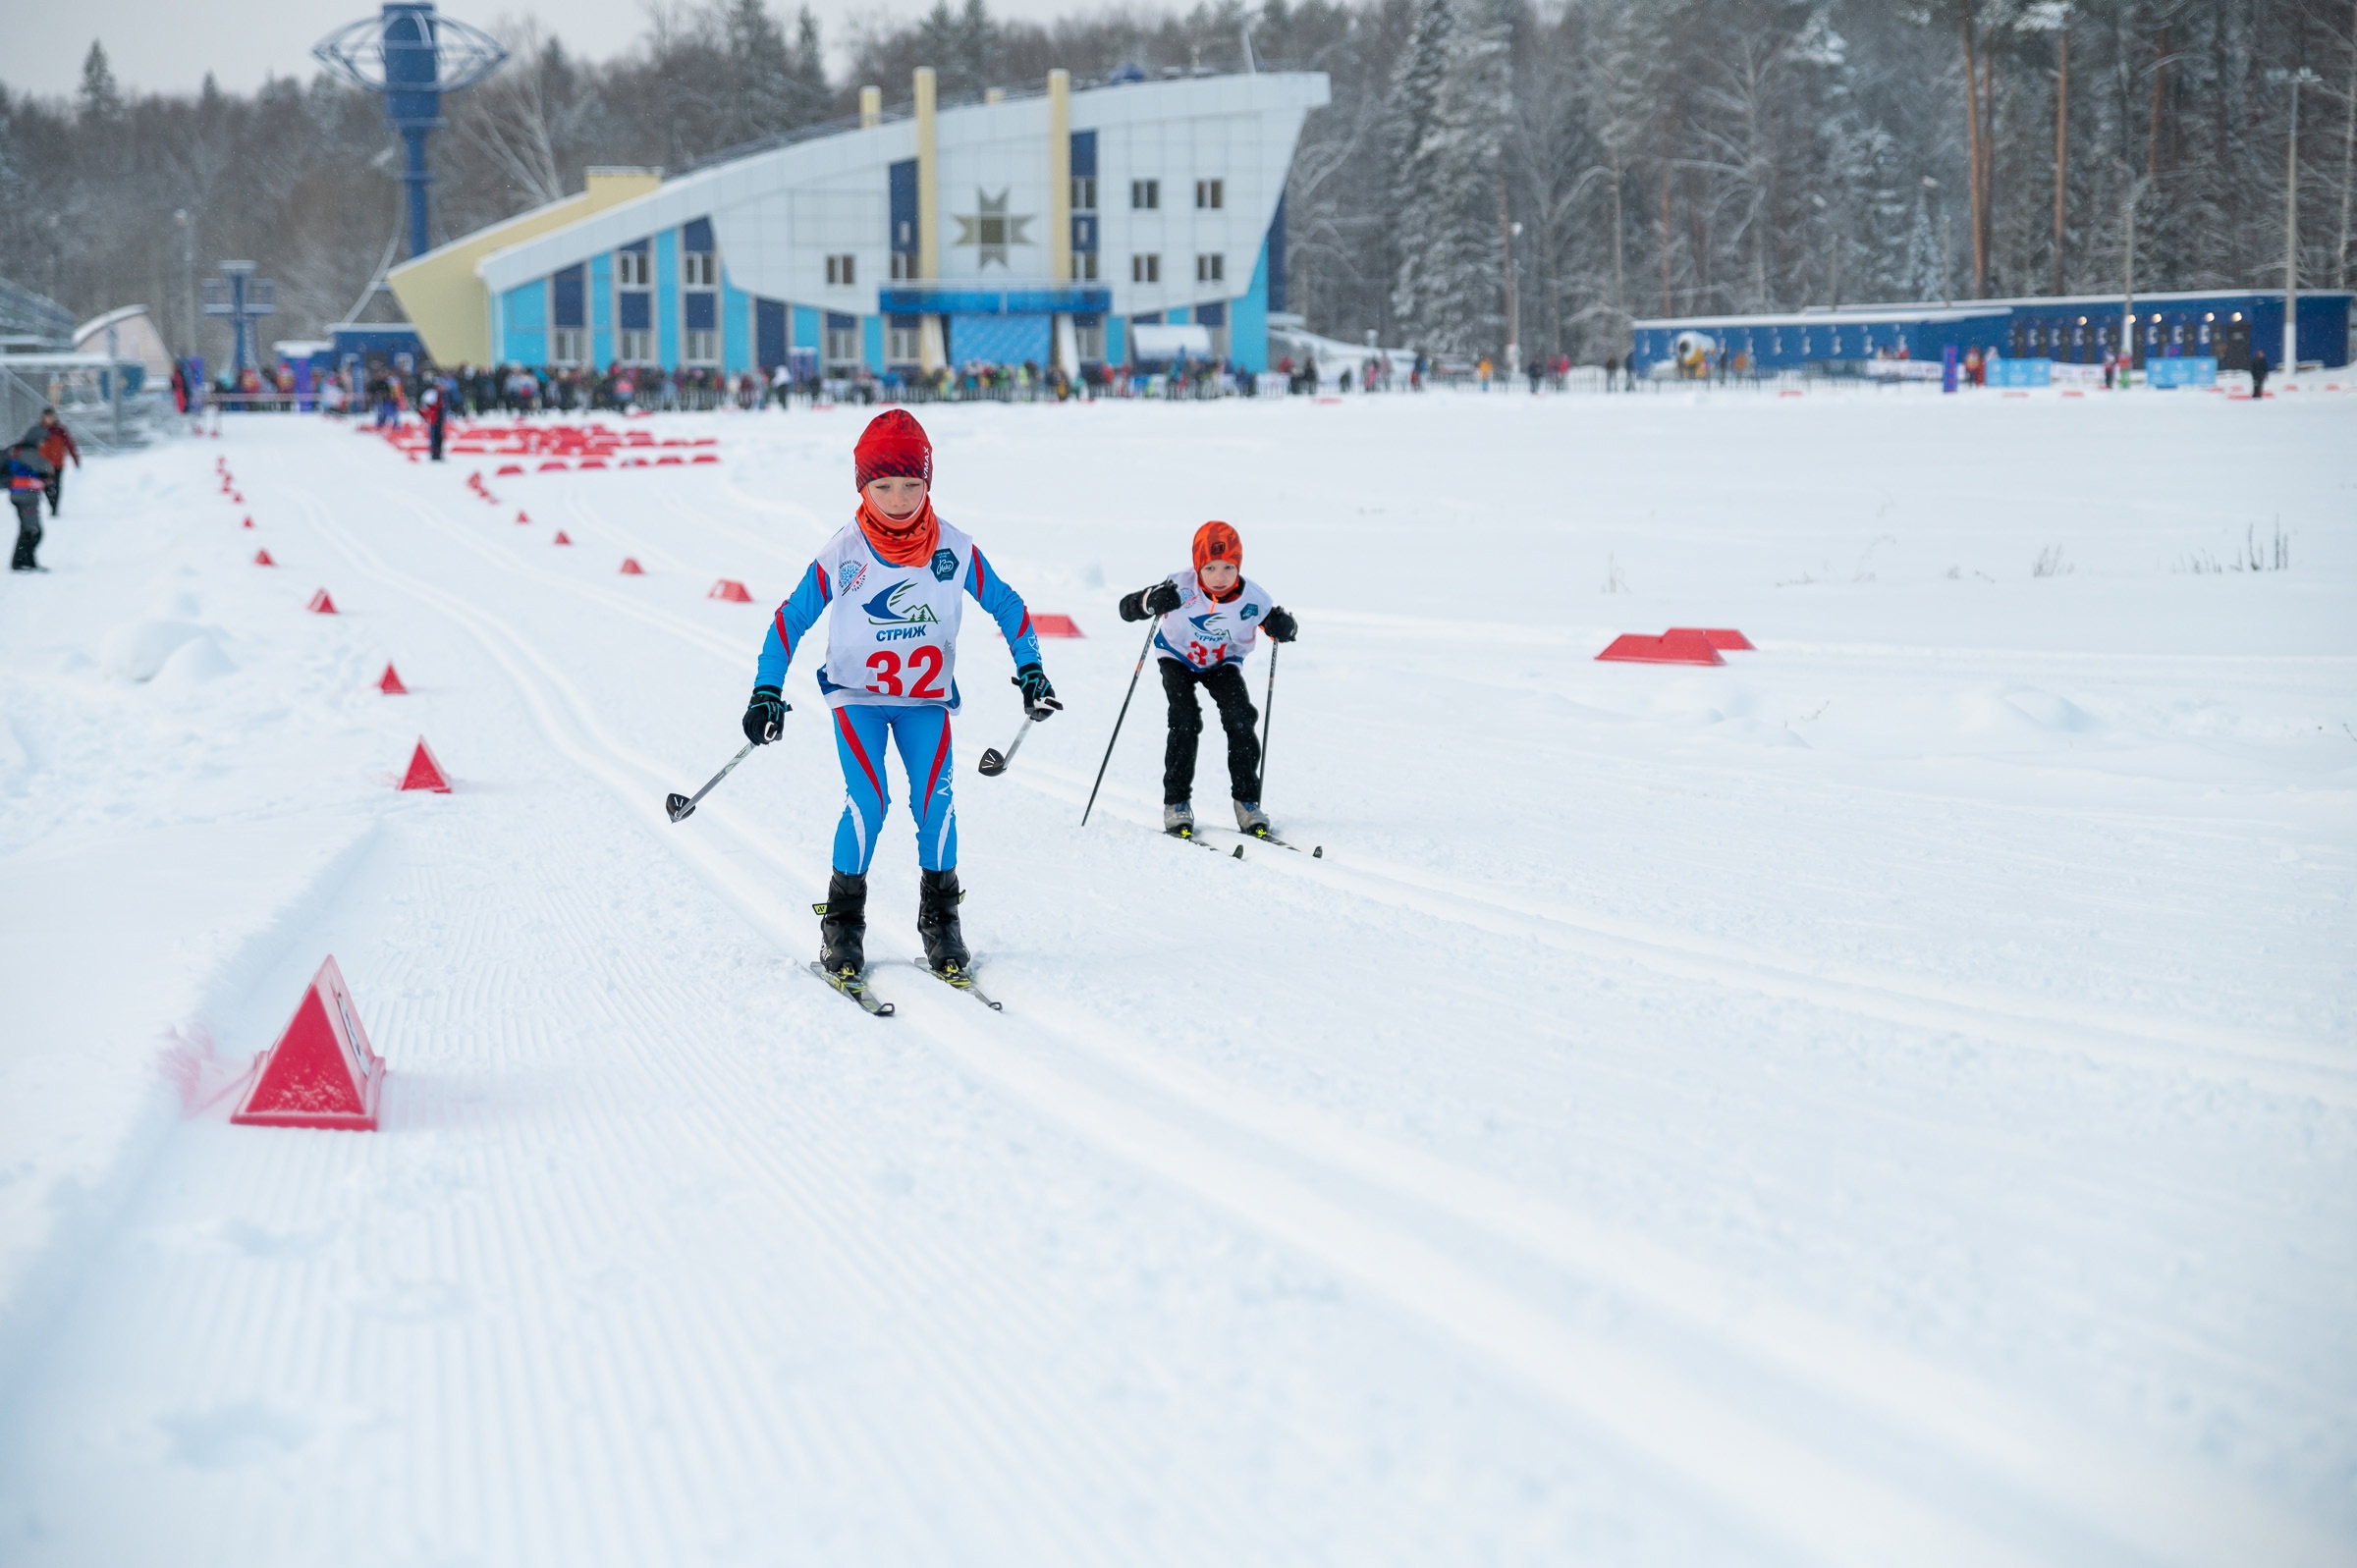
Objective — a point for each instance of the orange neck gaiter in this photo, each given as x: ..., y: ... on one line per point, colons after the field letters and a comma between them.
x: 901, y: 544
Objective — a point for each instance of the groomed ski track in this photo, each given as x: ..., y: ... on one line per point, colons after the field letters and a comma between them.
x: 619, y: 1283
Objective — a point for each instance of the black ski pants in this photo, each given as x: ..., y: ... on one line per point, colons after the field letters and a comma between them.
x: 1225, y: 683
x: 28, y: 528
x: 57, y: 488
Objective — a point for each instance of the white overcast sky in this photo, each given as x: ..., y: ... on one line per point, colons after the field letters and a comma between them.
x: 168, y: 45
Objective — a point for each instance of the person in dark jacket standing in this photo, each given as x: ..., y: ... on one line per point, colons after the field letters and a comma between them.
x: 434, y: 406
x: 57, y: 444
x: 29, y: 474
x: 2258, y: 369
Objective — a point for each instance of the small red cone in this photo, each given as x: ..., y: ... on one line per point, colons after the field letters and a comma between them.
x: 390, y: 681
x: 523, y: 517
x: 630, y: 567
x: 248, y: 523
x: 561, y: 538
x: 321, y: 604
x: 731, y: 590
x: 1053, y: 625
x: 261, y: 558
x: 425, y: 773
x: 322, y: 1071
x: 237, y: 498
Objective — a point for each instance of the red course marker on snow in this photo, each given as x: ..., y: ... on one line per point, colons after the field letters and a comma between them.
x: 507, y: 468
x: 425, y: 771
x: 523, y: 515
x: 630, y: 567
x: 321, y: 604
x: 561, y: 538
x: 1056, y: 626
x: 730, y: 589
x: 1725, y: 638
x: 390, y: 681
x: 261, y: 558
x: 248, y: 523
x: 321, y: 1072
x: 1671, y: 649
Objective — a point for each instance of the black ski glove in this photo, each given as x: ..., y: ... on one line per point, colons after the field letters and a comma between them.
x: 1147, y: 602
x: 765, y: 715
x: 1280, y: 625
x: 1039, y: 698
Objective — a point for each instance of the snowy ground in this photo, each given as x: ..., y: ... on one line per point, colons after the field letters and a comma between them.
x: 1891, y: 1099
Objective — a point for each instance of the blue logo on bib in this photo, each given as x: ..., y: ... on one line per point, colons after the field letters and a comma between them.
x: 945, y: 564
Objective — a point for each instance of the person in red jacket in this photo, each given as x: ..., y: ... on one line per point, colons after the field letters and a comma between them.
x: 57, y: 444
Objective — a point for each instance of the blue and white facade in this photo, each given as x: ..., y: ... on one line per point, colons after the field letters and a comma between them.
x: 1027, y: 228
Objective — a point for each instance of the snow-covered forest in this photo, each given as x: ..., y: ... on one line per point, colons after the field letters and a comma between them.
x: 1635, y: 156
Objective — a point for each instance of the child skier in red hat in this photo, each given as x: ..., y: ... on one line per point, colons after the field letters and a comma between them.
x: 890, y: 587
x: 1211, y: 614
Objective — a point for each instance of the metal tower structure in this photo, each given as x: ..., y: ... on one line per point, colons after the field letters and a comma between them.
x: 245, y: 299
x: 413, y: 57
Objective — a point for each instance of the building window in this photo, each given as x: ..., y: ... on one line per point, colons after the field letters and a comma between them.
x: 700, y: 270
x: 1084, y: 266
x: 1085, y: 193
x: 903, y: 339
x: 904, y: 267
x: 635, y: 347
x: 1211, y: 194
x: 842, y: 271
x: 1145, y: 195
x: 702, y: 347
x: 633, y: 269
x: 1089, y: 337
x: 1211, y: 269
x: 842, y: 340
x: 1145, y: 269
x: 565, y: 345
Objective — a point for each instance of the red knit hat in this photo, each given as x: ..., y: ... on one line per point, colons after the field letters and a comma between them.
x: 1216, y: 541
x: 894, y: 446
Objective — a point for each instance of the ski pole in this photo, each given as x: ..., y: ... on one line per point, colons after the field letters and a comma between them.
x: 680, y: 806
x: 994, y: 762
x: 1268, y: 716
x: 1143, y: 649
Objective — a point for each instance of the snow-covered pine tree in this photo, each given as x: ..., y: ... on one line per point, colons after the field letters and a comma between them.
x: 1418, y: 208
x: 1450, y: 293
x: 1926, y: 270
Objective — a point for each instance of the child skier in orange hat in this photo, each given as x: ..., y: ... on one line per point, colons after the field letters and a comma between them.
x: 1211, y: 616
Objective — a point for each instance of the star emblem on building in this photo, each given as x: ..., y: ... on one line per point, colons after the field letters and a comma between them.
x: 990, y: 229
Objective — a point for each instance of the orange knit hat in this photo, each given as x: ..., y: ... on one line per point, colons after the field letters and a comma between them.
x: 1216, y: 541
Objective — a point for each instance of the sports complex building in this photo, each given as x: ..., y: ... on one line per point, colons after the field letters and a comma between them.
x: 1054, y: 226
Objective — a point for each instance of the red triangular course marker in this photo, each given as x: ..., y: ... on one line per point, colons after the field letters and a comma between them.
x: 321, y: 1073
x: 1669, y: 649
x: 1056, y: 626
x: 261, y: 558
x: 630, y: 567
x: 561, y: 538
x: 425, y: 771
x: 248, y: 523
x: 321, y: 604
x: 523, y: 517
x: 1725, y: 638
x: 390, y: 682
x: 730, y: 589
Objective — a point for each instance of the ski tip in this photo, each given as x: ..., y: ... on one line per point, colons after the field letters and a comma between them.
x: 1318, y: 853
x: 1239, y: 851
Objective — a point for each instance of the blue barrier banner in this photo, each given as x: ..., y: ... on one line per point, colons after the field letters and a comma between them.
x: 1948, y: 369
x: 2183, y: 373
x: 2021, y: 372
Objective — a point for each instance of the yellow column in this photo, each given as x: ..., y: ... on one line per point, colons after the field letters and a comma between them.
x: 928, y: 181
x: 1059, y: 177
x: 931, y: 348
x: 871, y: 108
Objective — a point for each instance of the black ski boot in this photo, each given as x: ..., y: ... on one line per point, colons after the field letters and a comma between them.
x: 937, y: 898
x: 843, y: 925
